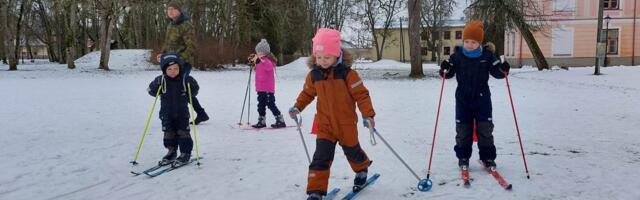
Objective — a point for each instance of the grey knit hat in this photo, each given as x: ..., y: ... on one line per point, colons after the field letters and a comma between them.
x: 263, y: 47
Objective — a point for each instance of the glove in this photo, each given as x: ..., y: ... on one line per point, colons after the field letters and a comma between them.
x: 293, y: 111
x: 504, y: 67
x: 252, y: 58
x: 368, y: 122
x: 445, y: 66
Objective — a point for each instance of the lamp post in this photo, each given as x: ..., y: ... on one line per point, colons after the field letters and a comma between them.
x: 606, y: 37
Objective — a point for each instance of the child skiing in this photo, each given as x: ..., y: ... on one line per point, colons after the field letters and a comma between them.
x: 265, y: 85
x: 174, y: 111
x: 472, y: 64
x: 338, y: 89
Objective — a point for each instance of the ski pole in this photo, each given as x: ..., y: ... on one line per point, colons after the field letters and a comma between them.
x: 249, y: 99
x: 372, y: 137
x: 373, y: 130
x: 195, y: 129
x: 428, y: 183
x: 245, y: 97
x: 146, y: 127
x: 513, y: 110
x: 298, y: 124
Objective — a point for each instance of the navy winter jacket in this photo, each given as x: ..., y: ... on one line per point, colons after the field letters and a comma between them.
x: 174, y: 99
x: 473, y: 97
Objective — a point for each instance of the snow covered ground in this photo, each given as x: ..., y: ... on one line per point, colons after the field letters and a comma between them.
x: 70, y: 134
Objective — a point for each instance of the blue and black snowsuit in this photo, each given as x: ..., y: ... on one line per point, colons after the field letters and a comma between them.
x: 174, y: 111
x: 473, y: 100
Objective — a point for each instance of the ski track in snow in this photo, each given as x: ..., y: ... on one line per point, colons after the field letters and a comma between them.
x: 69, y: 134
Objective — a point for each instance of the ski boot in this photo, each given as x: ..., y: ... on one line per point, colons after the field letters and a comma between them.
x: 261, y: 123
x: 279, y: 122
x: 201, y: 118
x: 360, y: 180
x: 183, y: 159
x: 315, y: 196
x: 490, y: 164
x: 170, y: 157
x: 463, y: 163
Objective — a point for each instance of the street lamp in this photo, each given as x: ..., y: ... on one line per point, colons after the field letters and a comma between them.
x: 606, y: 37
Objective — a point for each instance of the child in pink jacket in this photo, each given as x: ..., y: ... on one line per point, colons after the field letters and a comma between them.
x: 265, y: 85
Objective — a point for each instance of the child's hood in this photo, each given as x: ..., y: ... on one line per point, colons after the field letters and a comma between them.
x: 347, y: 60
x: 167, y: 60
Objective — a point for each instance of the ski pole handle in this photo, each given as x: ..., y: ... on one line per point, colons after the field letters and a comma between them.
x: 372, y: 136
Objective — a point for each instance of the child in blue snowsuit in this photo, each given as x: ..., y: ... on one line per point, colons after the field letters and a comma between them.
x: 174, y: 112
x: 472, y: 64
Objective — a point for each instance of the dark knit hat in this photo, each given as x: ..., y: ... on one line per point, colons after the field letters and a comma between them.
x: 167, y: 60
x: 474, y: 30
x: 175, y: 4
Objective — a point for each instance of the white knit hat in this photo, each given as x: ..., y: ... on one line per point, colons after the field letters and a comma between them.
x: 263, y: 47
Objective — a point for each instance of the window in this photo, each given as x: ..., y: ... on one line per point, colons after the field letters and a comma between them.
x: 562, y: 41
x: 436, y: 34
x: 458, y: 35
x: 447, y: 51
x: 612, y: 40
x: 447, y: 35
x: 610, y: 4
x: 425, y: 51
x: 564, y: 5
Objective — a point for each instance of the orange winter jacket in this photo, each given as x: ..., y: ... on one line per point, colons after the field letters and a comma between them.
x: 338, y: 89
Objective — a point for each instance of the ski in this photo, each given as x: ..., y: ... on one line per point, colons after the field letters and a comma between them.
x: 497, y: 176
x: 466, y: 179
x: 332, y: 194
x: 168, y: 169
x: 371, y: 180
x: 249, y: 128
x: 149, y: 170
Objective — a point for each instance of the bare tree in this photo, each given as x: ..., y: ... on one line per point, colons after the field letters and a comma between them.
x: 72, y: 33
x: 510, y: 14
x: 3, y: 27
x: 108, y: 10
x: 435, y: 15
x: 415, y: 7
x: 13, y: 60
x: 378, y: 16
x: 326, y: 14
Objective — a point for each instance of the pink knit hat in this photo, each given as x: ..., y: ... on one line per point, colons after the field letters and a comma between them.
x: 327, y: 41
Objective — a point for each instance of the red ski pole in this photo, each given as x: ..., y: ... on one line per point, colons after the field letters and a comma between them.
x: 435, y: 129
x: 513, y: 109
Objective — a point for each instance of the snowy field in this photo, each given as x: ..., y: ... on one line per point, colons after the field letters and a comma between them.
x: 70, y: 134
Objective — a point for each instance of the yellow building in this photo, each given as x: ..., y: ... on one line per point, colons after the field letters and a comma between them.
x: 397, y: 44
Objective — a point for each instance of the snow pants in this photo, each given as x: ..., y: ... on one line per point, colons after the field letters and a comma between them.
x: 479, y: 110
x: 327, y: 137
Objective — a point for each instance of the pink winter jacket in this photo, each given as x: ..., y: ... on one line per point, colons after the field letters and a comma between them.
x: 265, y: 79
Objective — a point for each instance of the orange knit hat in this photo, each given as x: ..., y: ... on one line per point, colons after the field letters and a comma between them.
x: 474, y: 30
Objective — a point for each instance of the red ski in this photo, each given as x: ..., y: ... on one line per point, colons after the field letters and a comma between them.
x: 466, y: 179
x: 497, y: 176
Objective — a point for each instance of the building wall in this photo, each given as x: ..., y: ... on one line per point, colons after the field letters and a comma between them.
x: 582, y: 20
x: 392, y: 49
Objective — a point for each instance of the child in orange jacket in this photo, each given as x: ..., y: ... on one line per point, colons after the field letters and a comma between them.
x: 338, y: 89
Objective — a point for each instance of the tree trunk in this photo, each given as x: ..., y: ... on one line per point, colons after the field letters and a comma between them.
x: 71, y: 48
x: 106, y: 23
x: 27, y: 43
x: 541, y: 62
x: 13, y: 63
x: 414, y: 38
x: 3, y: 27
x: 48, y: 39
x: 495, y: 34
